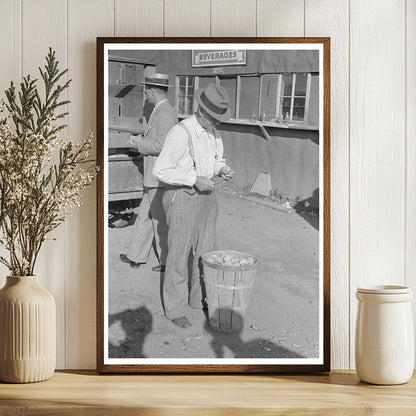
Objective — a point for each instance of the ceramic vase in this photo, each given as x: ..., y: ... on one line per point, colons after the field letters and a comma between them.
x: 384, y: 341
x: 27, y: 331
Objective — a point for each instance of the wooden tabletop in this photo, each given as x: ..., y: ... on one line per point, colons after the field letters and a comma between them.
x: 86, y: 393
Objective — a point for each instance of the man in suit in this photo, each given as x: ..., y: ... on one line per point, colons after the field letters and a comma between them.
x: 151, y: 221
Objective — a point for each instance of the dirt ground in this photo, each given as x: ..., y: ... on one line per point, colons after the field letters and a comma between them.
x: 282, y: 317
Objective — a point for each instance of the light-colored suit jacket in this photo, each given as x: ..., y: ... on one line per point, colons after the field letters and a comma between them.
x: 162, y: 119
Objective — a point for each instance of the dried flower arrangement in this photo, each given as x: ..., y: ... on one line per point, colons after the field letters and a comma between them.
x: 42, y: 176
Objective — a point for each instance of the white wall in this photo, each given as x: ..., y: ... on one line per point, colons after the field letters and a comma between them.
x: 373, y: 132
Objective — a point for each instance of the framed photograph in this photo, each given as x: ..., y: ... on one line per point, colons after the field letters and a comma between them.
x: 213, y: 222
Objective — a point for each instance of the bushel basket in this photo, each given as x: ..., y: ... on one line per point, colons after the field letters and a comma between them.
x: 228, y: 288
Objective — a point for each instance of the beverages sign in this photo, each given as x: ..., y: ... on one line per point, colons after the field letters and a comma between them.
x: 218, y: 57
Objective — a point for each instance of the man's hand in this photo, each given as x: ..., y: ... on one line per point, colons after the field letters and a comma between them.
x: 133, y: 140
x: 226, y: 173
x: 204, y: 184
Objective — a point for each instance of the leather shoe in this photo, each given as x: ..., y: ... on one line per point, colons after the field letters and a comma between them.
x: 181, y: 322
x: 132, y: 263
x: 159, y: 268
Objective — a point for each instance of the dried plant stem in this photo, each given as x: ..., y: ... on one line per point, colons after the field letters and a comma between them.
x: 36, y: 194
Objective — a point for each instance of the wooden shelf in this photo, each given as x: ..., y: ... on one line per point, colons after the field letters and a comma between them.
x: 86, y: 393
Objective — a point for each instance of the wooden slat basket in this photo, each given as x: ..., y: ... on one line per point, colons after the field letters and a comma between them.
x: 227, y: 290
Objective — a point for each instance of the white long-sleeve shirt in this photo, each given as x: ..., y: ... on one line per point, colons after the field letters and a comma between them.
x: 175, y: 165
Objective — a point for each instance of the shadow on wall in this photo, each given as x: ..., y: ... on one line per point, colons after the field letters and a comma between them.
x: 308, y: 209
x: 256, y: 348
x: 133, y: 326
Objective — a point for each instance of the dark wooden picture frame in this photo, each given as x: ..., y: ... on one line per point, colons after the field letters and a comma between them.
x: 104, y: 365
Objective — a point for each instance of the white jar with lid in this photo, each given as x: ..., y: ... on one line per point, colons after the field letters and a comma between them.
x: 384, y: 338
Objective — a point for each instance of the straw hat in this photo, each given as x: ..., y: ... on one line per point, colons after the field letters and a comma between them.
x: 214, y: 100
x: 156, y: 80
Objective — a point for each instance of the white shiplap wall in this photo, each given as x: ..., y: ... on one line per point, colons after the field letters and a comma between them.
x: 331, y: 18
x: 373, y: 132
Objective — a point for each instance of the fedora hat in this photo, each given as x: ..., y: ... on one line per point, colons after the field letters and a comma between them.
x: 156, y: 80
x: 214, y: 100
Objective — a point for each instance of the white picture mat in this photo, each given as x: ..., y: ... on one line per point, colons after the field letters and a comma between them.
x: 212, y: 361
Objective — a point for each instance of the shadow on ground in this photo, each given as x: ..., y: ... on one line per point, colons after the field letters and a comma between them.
x: 228, y: 334
x: 136, y: 324
x: 308, y: 209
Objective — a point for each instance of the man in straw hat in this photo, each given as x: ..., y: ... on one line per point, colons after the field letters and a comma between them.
x: 151, y: 221
x: 191, y: 162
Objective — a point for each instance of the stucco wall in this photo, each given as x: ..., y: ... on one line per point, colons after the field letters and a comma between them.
x: 291, y: 158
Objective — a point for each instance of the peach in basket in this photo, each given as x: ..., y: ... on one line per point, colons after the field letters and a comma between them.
x: 225, y: 258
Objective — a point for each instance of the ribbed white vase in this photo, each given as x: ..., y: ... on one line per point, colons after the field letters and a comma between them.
x: 27, y: 331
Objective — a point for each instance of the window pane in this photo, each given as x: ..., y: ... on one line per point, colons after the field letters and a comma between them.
x: 190, y: 95
x: 114, y: 73
x: 182, y: 86
x: 181, y: 105
x: 285, y: 107
x: 191, y: 88
x: 287, y: 81
x: 132, y: 74
x: 269, y: 97
x: 190, y: 105
x: 230, y: 85
x: 129, y: 74
x: 300, y: 85
x: 298, y: 114
x: 299, y: 102
x: 249, y: 97
x: 298, y: 109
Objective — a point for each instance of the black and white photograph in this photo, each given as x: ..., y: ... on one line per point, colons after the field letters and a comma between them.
x: 213, y: 247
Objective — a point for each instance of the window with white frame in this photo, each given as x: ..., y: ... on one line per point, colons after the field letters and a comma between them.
x: 275, y: 98
x: 293, y: 97
x: 185, y: 88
